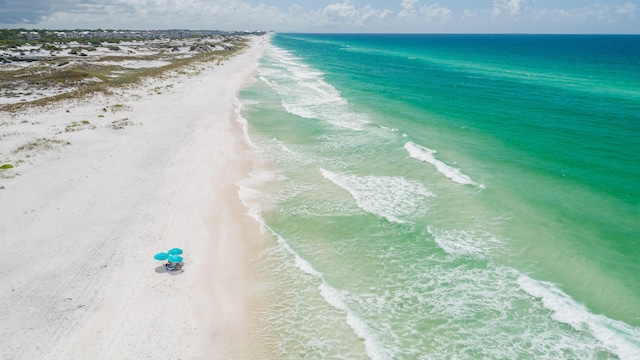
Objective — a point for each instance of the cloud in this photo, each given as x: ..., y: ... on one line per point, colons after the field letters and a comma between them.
x: 508, y: 7
x: 22, y: 12
x: 412, y: 10
x: 412, y: 16
x: 627, y: 9
x: 594, y: 13
x: 210, y: 14
x: 341, y: 12
x: 436, y: 12
x: 337, y: 16
x: 345, y: 16
x: 141, y: 14
x: 295, y: 9
x: 347, y: 13
x: 408, y: 8
x: 531, y: 17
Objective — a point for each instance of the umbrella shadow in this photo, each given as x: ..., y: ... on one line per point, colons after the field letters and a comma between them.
x: 162, y: 270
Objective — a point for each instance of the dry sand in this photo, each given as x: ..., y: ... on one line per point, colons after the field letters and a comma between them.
x: 84, y: 213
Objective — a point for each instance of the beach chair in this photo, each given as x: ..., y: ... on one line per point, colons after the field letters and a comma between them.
x: 173, y: 266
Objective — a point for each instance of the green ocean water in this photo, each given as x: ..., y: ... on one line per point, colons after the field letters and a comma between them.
x: 446, y: 196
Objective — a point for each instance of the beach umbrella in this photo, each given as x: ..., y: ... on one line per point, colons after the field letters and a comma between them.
x: 175, y: 258
x: 175, y: 251
x: 161, y: 256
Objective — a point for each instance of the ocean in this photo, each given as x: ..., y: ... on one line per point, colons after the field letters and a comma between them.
x: 445, y: 197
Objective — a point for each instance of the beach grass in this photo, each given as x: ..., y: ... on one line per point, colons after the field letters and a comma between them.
x: 40, y: 145
x: 78, y: 79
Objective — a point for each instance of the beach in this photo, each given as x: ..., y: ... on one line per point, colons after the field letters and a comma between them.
x: 352, y: 196
x: 103, y: 184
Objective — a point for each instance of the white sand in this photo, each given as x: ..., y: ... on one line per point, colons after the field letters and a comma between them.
x: 80, y: 223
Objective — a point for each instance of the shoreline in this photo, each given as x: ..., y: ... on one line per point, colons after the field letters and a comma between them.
x: 232, y: 236
x: 82, y: 219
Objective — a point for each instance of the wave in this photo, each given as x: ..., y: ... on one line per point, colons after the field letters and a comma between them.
x: 616, y: 336
x: 250, y: 198
x: 305, y: 93
x: 237, y: 108
x: 391, y: 198
x: 428, y: 155
x: 334, y: 298
x: 473, y: 243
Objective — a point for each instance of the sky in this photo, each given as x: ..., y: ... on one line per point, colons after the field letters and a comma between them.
x: 350, y: 16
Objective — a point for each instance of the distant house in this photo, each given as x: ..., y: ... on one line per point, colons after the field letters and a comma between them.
x: 31, y: 35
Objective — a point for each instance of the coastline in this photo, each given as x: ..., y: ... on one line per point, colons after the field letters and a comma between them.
x: 82, y: 221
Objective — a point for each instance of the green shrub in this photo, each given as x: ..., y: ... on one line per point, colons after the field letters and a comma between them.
x: 41, y: 145
x: 77, y: 126
x: 119, y: 107
x: 120, y: 124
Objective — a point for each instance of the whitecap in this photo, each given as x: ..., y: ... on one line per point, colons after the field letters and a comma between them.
x: 428, y: 155
x: 616, y: 336
x: 305, y: 93
x: 392, y: 198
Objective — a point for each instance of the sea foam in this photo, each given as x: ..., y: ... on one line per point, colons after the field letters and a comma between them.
x: 428, y: 155
x: 251, y: 198
x: 306, y: 94
x: 474, y: 243
x: 618, y: 337
x: 336, y: 299
x: 615, y: 336
x: 392, y: 198
x: 238, y: 108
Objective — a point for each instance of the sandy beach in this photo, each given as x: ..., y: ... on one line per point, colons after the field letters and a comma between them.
x: 105, y: 183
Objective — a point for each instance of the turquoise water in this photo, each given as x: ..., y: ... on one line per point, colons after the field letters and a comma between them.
x: 446, y: 196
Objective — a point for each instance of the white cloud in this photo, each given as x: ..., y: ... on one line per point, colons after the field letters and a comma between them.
x: 412, y: 10
x: 436, y: 12
x: 160, y: 14
x: 345, y: 16
x: 597, y: 11
x: 594, y: 13
x: 628, y: 9
x: 345, y: 11
x: 295, y: 8
x: 508, y: 7
x: 408, y: 8
x: 338, y: 16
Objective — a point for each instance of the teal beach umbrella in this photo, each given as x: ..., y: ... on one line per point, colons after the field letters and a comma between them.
x: 175, y: 251
x: 161, y: 256
x: 175, y: 258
